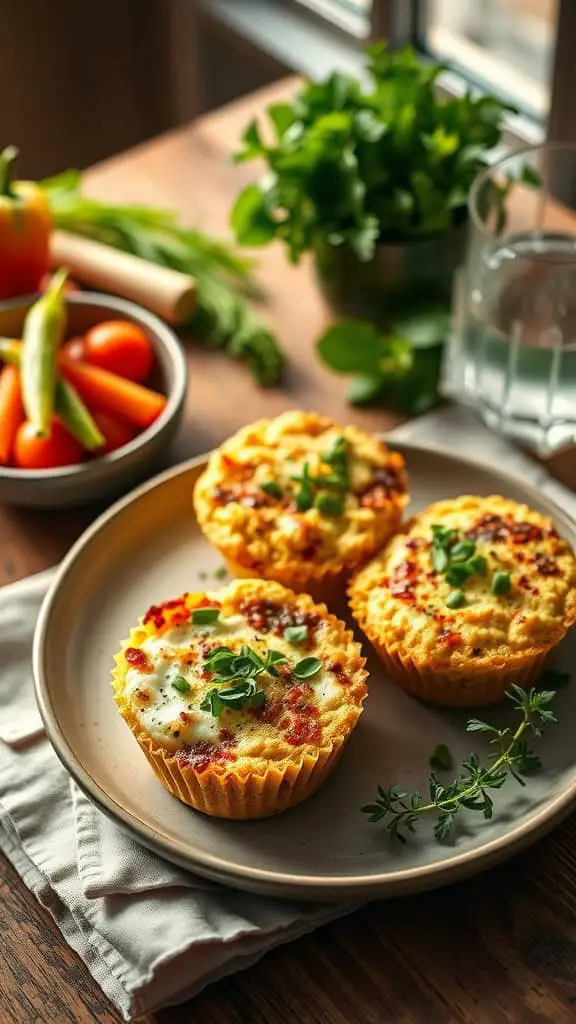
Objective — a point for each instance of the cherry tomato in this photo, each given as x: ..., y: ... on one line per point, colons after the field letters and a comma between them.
x: 120, y: 347
x: 116, y: 432
x: 33, y: 452
x: 74, y: 347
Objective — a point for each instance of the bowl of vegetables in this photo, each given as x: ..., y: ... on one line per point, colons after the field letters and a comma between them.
x: 92, y: 390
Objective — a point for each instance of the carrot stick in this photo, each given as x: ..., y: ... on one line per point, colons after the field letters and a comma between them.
x: 11, y: 411
x: 103, y: 390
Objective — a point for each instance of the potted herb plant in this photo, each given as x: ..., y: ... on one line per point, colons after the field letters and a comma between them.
x: 373, y: 180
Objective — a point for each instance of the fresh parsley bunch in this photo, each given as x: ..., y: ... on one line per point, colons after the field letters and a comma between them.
x: 391, y: 161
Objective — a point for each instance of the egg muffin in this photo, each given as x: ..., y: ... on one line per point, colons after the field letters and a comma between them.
x: 300, y: 500
x: 242, y: 699
x: 469, y: 599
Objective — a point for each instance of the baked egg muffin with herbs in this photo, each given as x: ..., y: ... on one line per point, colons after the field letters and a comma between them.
x: 242, y: 699
x: 471, y: 598
x: 300, y: 500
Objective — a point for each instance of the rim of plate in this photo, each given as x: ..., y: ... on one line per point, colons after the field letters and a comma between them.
x: 397, y: 881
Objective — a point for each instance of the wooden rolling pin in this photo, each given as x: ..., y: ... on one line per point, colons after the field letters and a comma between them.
x: 168, y: 293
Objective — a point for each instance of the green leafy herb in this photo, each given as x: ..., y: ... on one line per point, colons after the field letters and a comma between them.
x: 440, y: 559
x: 205, y: 616
x: 354, y: 164
x: 457, y: 574
x: 329, y: 504
x: 272, y: 488
x: 478, y: 565
x: 394, y: 368
x: 296, y: 634
x: 500, y: 584
x: 243, y: 694
x: 180, y: 684
x: 307, y: 668
x: 462, y: 551
x: 223, y: 317
x: 456, y: 599
x: 441, y: 759
x: 400, y: 812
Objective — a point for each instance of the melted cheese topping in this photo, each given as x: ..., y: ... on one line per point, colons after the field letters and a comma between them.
x: 401, y: 598
x: 261, y: 531
x: 295, y: 714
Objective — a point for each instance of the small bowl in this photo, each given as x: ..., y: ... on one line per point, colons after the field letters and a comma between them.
x: 107, y: 476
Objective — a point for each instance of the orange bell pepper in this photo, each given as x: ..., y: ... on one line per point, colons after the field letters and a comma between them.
x: 25, y: 224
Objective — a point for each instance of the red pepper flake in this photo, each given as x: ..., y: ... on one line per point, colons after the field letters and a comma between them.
x: 143, y: 695
x: 297, y: 697
x: 403, y: 580
x: 385, y: 481
x: 495, y: 527
x: 303, y: 730
x: 336, y: 668
x: 450, y: 637
x: 415, y: 543
x: 269, y: 712
x: 138, y: 658
x: 546, y: 566
x: 269, y: 617
x: 174, y: 611
x: 185, y: 717
x: 203, y: 755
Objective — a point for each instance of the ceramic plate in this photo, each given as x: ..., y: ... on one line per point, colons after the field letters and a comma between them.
x: 147, y: 548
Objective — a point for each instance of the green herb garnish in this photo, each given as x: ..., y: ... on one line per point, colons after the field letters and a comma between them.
x: 462, y: 551
x: 456, y: 599
x: 307, y: 668
x: 272, y: 488
x: 296, y: 634
x: 237, y: 672
x: 400, y: 812
x: 440, y: 559
x: 500, y: 584
x: 180, y: 684
x: 205, y: 616
x: 243, y: 694
x: 457, y: 574
x: 355, y: 161
x: 441, y: 759
x: 329, y: 504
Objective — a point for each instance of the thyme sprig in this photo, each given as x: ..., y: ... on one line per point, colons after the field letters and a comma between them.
x: 400, y: 812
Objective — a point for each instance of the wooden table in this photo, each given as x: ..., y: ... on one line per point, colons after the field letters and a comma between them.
x: 497, y: 950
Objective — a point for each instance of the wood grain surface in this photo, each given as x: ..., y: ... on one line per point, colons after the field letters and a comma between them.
x: 500, y: 949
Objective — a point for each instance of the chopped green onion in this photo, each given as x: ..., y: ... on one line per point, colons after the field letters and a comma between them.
x: 478, y: 565
x: 272, y: 488
x: 456, y: 574
x: 329, y: 504
x: 462, y: 551
x: 307, y: 668
x: 439, y: 559
x: 500, y: 583
x: 181, y: 684
x: 456, y: 599
x: 304, y: 498
x: 205, y: 616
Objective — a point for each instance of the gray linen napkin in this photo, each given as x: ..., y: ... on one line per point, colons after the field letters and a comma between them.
x: 150, y: 933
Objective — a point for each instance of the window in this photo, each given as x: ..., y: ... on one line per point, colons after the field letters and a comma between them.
x: 507, y: 44
x: 350, y: 15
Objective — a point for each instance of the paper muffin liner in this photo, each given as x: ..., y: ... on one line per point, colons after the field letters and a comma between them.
x: 325, y: 585
x: 225, y: 792
x: 228, y: 794
x: 466, y: 687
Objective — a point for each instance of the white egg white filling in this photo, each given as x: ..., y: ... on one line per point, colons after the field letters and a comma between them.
x: 175, y: 719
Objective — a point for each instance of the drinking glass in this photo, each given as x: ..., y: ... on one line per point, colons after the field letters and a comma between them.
x: 512, y: 353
